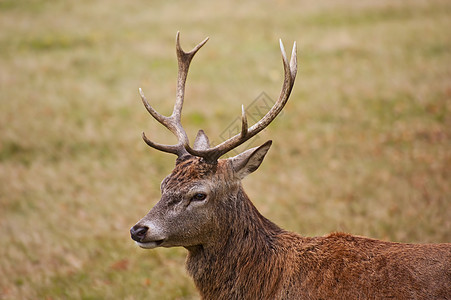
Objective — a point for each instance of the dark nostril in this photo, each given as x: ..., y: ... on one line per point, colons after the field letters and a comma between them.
x: 138, y: 232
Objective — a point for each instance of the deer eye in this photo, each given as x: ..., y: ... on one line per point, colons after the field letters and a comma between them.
x: 199, y: 197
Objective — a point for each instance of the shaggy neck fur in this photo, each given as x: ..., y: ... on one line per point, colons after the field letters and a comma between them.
x: 243, y: 260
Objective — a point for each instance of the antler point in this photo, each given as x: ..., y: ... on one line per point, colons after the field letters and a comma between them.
x: 244, y: 126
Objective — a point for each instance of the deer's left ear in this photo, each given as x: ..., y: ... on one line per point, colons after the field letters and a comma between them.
x: 247, y: 162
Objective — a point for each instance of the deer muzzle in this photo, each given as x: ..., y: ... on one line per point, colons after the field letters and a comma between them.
x: 145, y: 237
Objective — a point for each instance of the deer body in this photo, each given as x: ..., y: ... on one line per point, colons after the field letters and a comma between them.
x: 236, y: 253
x: 264, y: 262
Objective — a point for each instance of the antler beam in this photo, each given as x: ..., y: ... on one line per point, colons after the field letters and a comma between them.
x: 290, y: 70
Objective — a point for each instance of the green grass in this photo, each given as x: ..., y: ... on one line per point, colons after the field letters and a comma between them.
x: 363, y: 146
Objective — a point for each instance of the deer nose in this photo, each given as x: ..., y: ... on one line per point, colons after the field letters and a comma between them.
x: 138, y: 232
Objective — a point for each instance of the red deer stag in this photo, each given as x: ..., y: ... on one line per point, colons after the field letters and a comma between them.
x: 236, y: 253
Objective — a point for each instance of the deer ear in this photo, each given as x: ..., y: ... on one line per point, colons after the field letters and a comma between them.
x: 247, y: 162
x: 201, y: 142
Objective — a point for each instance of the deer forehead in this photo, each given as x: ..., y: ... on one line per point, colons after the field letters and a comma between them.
x: 195, y: 171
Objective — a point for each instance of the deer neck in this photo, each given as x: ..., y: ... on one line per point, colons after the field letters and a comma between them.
x: 241, y: 256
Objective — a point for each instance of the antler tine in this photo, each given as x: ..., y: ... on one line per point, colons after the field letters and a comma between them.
x: 243, y: 122
x: 177, y: 149
x: 293, y: 62
x: 174, y: 149
x: 290, y: 70
x: 184, y: 60
x: 173, y: 122
x: 160, y: 118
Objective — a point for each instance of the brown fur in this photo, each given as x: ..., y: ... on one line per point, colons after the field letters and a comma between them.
x: 243, y: 255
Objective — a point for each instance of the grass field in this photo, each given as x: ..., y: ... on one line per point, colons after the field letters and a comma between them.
x: 363, y: 146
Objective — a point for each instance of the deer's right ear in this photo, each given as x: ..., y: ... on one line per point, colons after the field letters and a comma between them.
x: 201, y: 142
x: 247, y: 162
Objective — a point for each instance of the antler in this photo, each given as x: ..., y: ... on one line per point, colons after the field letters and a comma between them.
x: 212, y: 154
x: 173, y: 122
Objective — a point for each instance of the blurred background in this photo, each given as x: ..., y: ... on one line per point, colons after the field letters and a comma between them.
x: 363, y: 145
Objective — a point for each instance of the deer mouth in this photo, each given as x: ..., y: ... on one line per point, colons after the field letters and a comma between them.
x: 149, y: 245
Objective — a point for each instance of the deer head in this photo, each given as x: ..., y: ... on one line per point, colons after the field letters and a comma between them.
x: 202, y: 188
